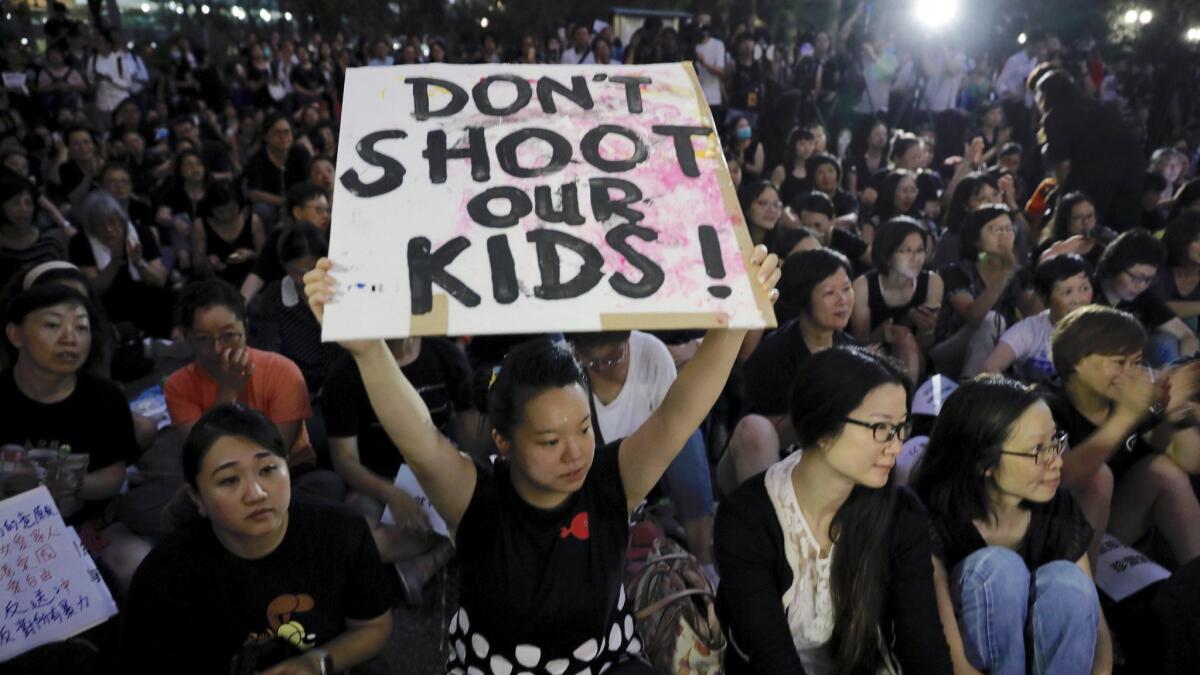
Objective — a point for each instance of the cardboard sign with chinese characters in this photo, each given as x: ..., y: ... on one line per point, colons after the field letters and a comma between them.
x: 51, y: 588
x: 528, y: 199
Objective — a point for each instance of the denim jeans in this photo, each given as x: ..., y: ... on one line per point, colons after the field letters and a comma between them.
x: 1162, y: 349
x: 1001, y: 607
x: 687, y: 480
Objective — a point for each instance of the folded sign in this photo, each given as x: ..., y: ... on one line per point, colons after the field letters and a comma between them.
x: 525, y: 199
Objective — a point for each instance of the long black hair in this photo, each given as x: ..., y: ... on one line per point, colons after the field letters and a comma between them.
x: 228, y: 419
x: 960, y: 201
x: 966, y: 441
x: 833, y: 383
x: 1060, y: 227
x: 885, y: 204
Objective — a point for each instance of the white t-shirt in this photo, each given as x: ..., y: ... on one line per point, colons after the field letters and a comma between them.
x: 712, y: 52
x: 571, y: 57
x: 651, y: 372
x: 1010, y: 82
x: 113, y: 76
x: 941, y: 90
x: 1030, y: 341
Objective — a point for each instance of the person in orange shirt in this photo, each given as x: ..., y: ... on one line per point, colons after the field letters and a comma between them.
x: 212, y: 315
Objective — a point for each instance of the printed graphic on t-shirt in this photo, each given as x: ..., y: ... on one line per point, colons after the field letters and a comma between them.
x: 280, y: 613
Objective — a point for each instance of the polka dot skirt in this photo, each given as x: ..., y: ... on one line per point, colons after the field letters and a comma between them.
x: 472, y: 654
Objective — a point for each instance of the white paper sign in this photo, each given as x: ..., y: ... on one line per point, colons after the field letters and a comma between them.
x: 407, y: 481
x: 1122, y: 571
x: 51, y: 588
x: 527, y: 199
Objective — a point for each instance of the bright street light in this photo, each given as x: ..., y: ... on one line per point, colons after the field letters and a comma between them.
x: 936, y: 13
x: 483, y: 23
x: 205, y: 9
x: 287, y: 16
x: 145, y: 8
x: 1131, y: 16
x: 1145, y: 17
x: 1022, y: 39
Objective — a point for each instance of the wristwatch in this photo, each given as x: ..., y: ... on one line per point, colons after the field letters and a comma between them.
x: 326, y: 661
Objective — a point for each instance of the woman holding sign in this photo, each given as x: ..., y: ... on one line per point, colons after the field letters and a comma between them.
x: 541, y: 534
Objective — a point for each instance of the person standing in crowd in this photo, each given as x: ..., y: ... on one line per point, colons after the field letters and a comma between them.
x: 541, y: 533
x: 746, y: 82
x: 1010, y: 545
x: 111, y: 72
x: 826, y: 564
x: 1089, y: 148
x: 710, y: 57
x: 580, y: 51
x: 275, y: 585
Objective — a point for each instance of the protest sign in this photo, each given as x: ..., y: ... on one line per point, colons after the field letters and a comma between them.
x: 52, y: 589
x: 1122, y: 571
x: 524, y: 199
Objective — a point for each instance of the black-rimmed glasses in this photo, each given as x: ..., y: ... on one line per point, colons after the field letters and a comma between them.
x: 884, y: 432
x: 1045, y: 453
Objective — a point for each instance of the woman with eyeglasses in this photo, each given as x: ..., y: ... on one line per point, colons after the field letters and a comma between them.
x: 1009, y: 544
x: 985, y: 292
x: 1074, y: 229
x: 825, y: 565
x: 761, y: 208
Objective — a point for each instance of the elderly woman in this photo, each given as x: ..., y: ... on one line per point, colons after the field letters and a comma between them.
x: 124, y: 265
x: 272, y: 585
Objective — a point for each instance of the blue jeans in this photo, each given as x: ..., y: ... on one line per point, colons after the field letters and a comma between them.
x: 687, y: 481
x: 1162, y: 349
x: 1001, y: 605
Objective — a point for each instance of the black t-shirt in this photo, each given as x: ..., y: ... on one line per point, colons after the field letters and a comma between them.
x: 441, y: 376
x: 94, y: 420
x: 848, y: 244
x: 543, y: 586
x: 1057, y: 530
x: 1148, y: 308
x: 262, y: 174
x: 964, y: 277
x: 193, y: 605
x: 49, y: 246
x: 268, y: 266
x: 1079, y: 428
x: 773, y: 367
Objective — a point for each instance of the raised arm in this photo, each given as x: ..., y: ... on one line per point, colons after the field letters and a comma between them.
x: 645, y: 454
x: 446, y: 475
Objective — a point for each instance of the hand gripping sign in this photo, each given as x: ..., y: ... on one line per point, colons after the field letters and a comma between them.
x: 527, y: 199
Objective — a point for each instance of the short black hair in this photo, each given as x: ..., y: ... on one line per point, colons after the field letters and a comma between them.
x: 1058, y: 268
x: 891, y: 236
x: 301, y: 194
x: 301, y: 239
x: 529, y: 369
x: 48, y: 295
x: 586, y: 342
x: 208, y: 293
x: 1135, y: 247
x: 814, y: 202
x: 782, y: 240
x: 228, y: 419
x: 817, y: 160
x: 801, y: 274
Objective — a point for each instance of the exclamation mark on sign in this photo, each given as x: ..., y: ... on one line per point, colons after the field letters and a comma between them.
x: 710, y: 246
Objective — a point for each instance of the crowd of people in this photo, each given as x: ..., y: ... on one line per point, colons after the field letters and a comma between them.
x: 917, y: 211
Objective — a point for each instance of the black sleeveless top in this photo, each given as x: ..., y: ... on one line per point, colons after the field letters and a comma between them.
x: 881, y: 311
x: 216, y: 245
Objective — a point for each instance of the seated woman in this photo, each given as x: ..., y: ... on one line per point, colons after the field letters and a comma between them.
x: 1064, y: 284
x: 542, y: 532
x: 1132, y: 446
x: 897, y: 197
x: 1074, y: 229
x: 825, y: 565
x: 51, y: 402
x: 825, y: 176
x: 791, y: 177
x: 1009, y: 545
x: 123, y: 262
x: 819, y: 302
x: 898, y: 302
x: 985, y: 293
x: 226, y: 237
x: 280, y: 320
x: 266, y: 581
x: 971, y: 192
x: 22, y: 242
x: 761, y: 207
x: 1178, y: 281
x: 179, y: 203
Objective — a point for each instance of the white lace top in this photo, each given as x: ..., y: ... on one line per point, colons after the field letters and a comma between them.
x: 808, y: 601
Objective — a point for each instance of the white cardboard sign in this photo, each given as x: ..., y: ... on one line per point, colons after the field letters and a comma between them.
x: 526, y: 199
